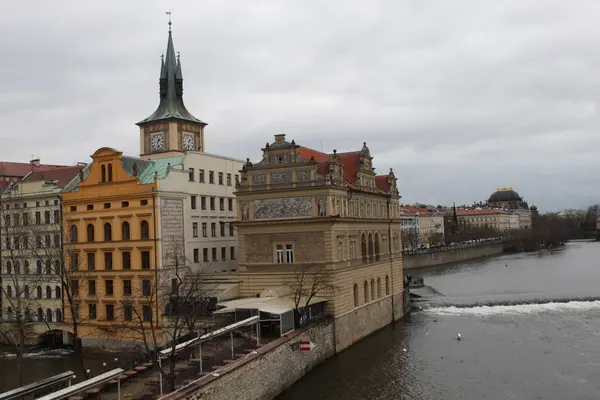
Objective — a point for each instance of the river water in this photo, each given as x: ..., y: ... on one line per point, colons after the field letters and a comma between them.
x: 530, y: 326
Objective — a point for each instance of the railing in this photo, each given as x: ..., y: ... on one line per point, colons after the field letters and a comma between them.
x: 29, y: 391
x: 455, y: 247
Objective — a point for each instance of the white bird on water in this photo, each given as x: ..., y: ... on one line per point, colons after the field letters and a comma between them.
x: 458, y: 336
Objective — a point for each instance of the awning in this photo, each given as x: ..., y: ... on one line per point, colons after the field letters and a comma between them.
x: 272, y: 305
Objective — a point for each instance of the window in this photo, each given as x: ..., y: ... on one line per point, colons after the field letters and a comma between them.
x: 143, y: 202
x: 9, y: 292
x: 110, y: 312
x: 48, y: 315
x: 355, y: 295
x: 145, y: 287
x: 91, y: 261
x: 387, y: 285
x: 47, y: 241
x: 212, y: 203
x: 284, y: 253
x: 73, y: 208
x: 46, y: 218
x: 16, y: 218
x: 125, y: 231
x: 25, y: 219
x: 231, y: 233
x: 193, y: 202
x: 145, y: 260
x: 92, y: 311
x: 230, y: 204
x: 56, y: 216
x: 108, y: 261
x: 211, y: 176
x: 48, y: 267
x: 74, y: 261
x: 126, y: 260
x: 214, y: 254
x: 232, y: 253
x: 124, y: 204
x: 204, y: 229
x: 378, y: 288
x: 90, y: 233
x: 340, y: 250
x: 108, y: 287
x: 373, y: 289
x: 38, y: 218
x: 147, y: 313
x: 145, y: 230
x: 191, y: 174
x: 203, y: 202
x: 106, y: 205
x: 213, y: 229
x: 228, y: 179
x: 107, y: 232
x: 220, y: 178
x: 73, y: 234
x: 127, y: 287
x: 89, y: 207
x: 58, y: 315
x: 110, y: 172
x: 205, y: 254
x: 196, y: 255
x: 91, y: 287
x: 57, y: 292
x: 38, y: 242
x: 76, y: 312
x: 56, y: 241
x: 221, y: 203
x: 103, y: 173
x: 222, y: 228
x: 201, y: 175
x: 26, y: 291
x: 237, y: 179
x: 127, y: 312
x: 366, y: 291
x: 37, y: 204
x: 38, y: 292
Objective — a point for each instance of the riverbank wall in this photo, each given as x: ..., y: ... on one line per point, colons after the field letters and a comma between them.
x: 447, y: 256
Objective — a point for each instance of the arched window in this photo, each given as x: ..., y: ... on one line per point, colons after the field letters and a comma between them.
x: 363, y: 248
x: 26, y: 267
x: 125, y: 231
x: 17, y: 268
x: 39, y: 292
x: 107, y: 232
x: 48, y: 315
x: 356, y: 301
x: 58, y: 315
x: 145, y: 229
x: 379, y: 288
x: 366, y: 290
x: 57, y: 292
x: 39, y: 267
x: 103, y: 173
x: 40, y: 314
x: 387, y: 285
x: 73, y: 234
x: 48, y: 267
x: 110, y: 172
x: 27, y: 315
x: 48, y: 292
x: 26, y: 290
x: 8, y: 268
x: 371, y: 247
x: 90, y: 233
x: 377, y: 247
x: 9, y: 291
x: 57, y: 267
x: 373, y: 294
x: 9, y: 314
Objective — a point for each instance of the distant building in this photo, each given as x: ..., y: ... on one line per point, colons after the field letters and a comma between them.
x: 15, y: 171
x: 430, y: 221
x: 509, y: 199
x: 501, y: 220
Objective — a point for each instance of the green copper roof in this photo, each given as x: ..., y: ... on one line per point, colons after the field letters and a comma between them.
x: 171, y: 90
x: 147, y: 169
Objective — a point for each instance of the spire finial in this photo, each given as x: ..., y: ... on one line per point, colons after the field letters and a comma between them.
x: 178, y: 55
x: 169, y: 14
x: 162, y: 57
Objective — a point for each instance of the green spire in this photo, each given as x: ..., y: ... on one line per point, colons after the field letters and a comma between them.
x: 171, y: 104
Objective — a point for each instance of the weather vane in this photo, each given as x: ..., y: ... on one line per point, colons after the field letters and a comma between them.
x: 169, y: 14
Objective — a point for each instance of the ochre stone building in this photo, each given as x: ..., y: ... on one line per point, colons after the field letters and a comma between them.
x: 301, y: 208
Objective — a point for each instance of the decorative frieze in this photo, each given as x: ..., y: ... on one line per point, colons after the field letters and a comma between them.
x: 259, y: 179
x: 281, y: 177
x: 288, y: 207
x: 303, y: 175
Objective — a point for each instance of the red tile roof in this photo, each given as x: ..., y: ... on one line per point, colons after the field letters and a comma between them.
x: 382, y: 182
x: 62, y: 175
x: 351, y: 163
x: 305, y: 153
x: 21, y: 169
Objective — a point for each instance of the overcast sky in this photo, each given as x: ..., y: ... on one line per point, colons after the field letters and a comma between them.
x: 458, y: 97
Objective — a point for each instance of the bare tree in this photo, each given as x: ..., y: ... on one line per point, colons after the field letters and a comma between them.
x: 305, y: 284
x: 168, y: 309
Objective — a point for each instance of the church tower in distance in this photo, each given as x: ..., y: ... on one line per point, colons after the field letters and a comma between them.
x: 171, y: 129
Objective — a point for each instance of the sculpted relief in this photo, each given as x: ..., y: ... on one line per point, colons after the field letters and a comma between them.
x: 281, y: 177
x: 291, y: 207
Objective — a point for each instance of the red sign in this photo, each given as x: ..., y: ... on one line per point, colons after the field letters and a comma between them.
x: 306, y: 345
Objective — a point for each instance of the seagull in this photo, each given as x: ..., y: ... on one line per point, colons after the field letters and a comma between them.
x: 458, y: 336
x: 505, y: 264
x: 404, y: 350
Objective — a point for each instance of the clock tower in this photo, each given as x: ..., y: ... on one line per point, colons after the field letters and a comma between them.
x: 171, y: 129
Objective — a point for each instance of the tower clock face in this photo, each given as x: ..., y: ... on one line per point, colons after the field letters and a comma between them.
x: 188, y: 141
x: 158, y: 142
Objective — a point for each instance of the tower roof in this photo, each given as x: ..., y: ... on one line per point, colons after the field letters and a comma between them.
x: 171, y: 104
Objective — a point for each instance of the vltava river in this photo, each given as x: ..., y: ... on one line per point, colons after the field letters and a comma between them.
x: 530, y: 325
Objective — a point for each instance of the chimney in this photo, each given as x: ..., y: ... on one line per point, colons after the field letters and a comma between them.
x: 35, y: 162
x: 280, y: 138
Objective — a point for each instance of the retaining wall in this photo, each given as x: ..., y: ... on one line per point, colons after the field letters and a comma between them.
x: 450, y: 256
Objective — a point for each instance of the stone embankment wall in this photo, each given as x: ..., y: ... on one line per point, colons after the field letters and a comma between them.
x: 450, y: 256
x: 265, y: 375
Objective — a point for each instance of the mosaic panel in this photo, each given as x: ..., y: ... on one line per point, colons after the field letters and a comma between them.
x: 290, y: 207
x: 303, y: 175
x: 281, y: 177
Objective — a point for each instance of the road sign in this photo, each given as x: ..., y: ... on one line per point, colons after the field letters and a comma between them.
x: 306, y: 345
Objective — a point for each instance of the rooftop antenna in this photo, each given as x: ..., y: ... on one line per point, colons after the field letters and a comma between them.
x: 169, y: 14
